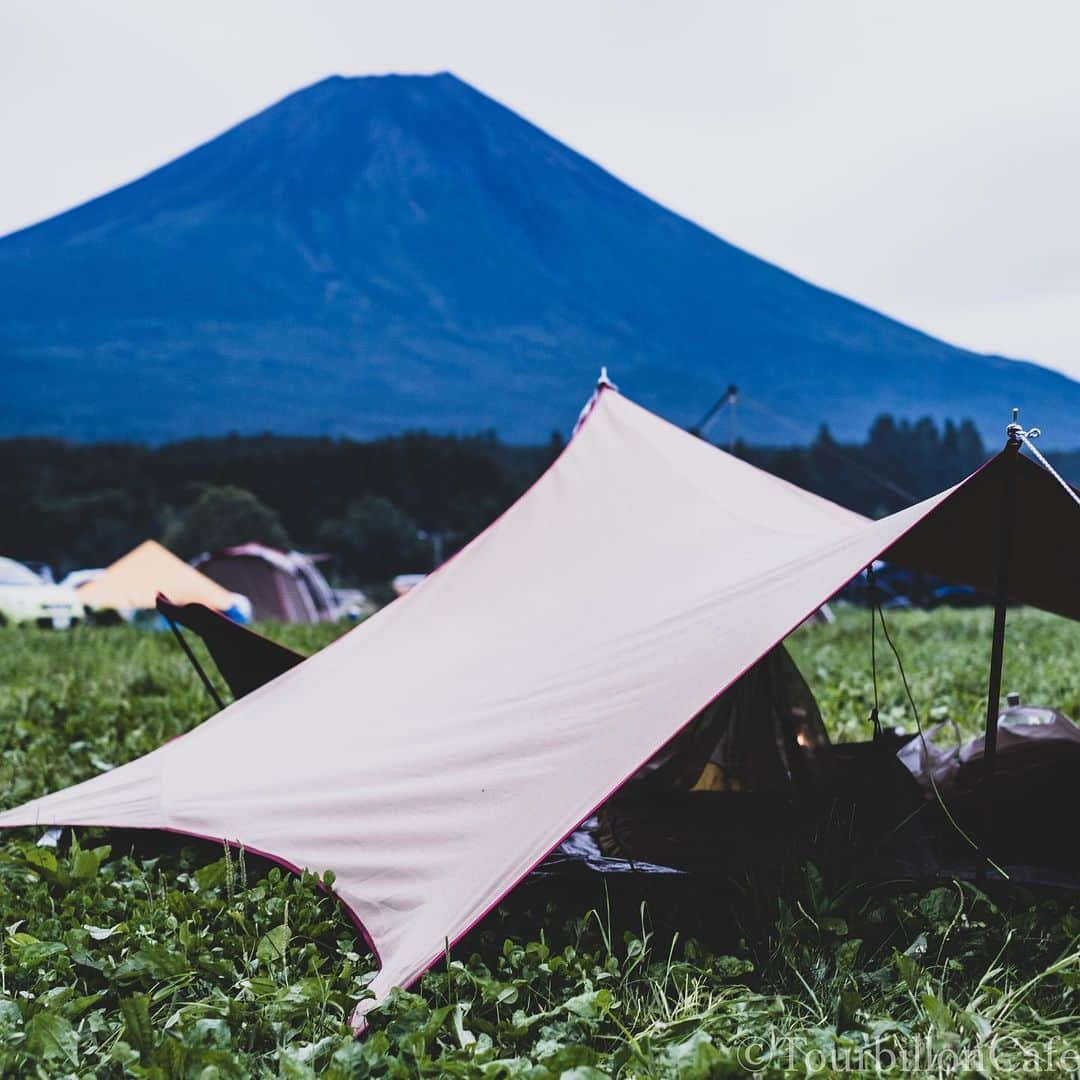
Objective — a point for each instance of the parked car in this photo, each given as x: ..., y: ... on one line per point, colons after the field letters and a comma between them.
x: 80, y: 577
x: 353, y: 604
x: 896, y: 588
x: 404, y: 582
x: 27, y: 599
x: 42, y: 569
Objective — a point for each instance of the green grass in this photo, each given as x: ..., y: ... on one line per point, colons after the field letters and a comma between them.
x: 946, y: 655
x: 187, y: 962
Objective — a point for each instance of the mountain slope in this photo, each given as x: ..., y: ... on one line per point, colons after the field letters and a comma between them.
x: 375, y: 254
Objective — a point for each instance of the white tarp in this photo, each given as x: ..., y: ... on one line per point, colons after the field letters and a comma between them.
x: 435, y: 754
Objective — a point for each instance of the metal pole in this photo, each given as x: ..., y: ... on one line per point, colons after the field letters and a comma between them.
x: 997, y: 647
x: 210, y: 688
x: 727, y: 400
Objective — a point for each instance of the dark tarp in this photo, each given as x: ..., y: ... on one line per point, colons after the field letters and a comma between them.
x: 960, y: 540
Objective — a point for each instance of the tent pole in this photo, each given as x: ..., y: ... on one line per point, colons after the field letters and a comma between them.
x: 194, y: 660
x: 997, y: 647
x: 731, y: 395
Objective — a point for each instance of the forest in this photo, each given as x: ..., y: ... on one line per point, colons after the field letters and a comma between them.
x: 386, y: 506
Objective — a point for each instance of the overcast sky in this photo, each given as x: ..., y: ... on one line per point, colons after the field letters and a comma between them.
x: 923, y: 158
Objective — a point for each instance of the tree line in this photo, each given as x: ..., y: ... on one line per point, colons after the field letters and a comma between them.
x: 386, y: 506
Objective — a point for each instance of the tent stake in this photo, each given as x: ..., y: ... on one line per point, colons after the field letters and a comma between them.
x: 997, y: 647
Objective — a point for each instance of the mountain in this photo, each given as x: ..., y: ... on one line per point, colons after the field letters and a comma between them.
x: 377, y: 254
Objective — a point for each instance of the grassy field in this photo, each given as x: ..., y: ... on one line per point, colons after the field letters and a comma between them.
x: 187, y: 962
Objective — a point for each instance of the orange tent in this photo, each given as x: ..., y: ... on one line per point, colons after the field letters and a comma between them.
x: 133, y: 582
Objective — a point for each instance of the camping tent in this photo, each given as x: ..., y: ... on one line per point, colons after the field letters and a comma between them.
x: 439, y: 751
x: 134, y: 580
x: 282, y: 585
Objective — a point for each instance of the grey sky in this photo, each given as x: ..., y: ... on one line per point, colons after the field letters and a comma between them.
x: 923, y: 158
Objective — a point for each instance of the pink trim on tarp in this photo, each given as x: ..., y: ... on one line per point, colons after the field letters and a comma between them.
x: 285, y: 864
x: 417, y: 589
x: 236, y: 845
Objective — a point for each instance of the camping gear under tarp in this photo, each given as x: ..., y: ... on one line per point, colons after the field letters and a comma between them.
x: 283, y: 586
x: 1020, y: 727
x: 438, y: 752
x: 132, y: 583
